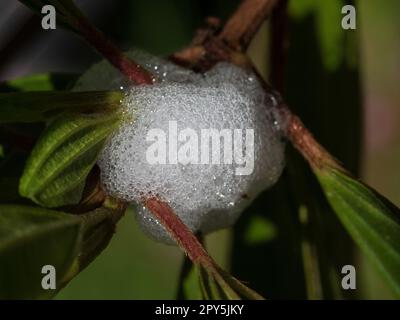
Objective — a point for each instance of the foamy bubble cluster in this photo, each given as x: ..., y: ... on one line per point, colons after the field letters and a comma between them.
x: 205, y: 196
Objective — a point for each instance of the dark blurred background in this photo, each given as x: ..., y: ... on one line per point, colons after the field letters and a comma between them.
x: 134, y: 267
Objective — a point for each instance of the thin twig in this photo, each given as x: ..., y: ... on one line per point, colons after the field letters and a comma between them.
x: 303, y: 140
x: 229, y: 46
x: 245, y: 22
x: 132, y: 70
x: 181, y: 233
x: 231, y: 43
x: 73, y: 19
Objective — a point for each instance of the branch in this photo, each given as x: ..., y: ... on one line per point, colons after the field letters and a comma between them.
x: 71, y: 17
x: 303, y: 140
x: 179, y: 231
x: 210, y: 47
x: 226, y: 284
x: 132, y: 70
x: 245, y: 22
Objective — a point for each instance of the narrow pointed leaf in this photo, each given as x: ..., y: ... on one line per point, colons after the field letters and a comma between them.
x: 31, y: 238
x: 41, y: 106
x: 211, y: 290
x: 39, y: 82
x: 56, y: 170
x: 98, y: 229
x: 371, y: 220
x: 217, y: 284
x: 36, y: 82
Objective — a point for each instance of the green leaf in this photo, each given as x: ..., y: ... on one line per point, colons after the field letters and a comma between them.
x: 210, y: 289
x: 41, y: 106
x: 39, y: 82
x: 31, y: 238
x: 98, y: 229
x: 319, y: 48
x: 211, y: 283
x: 372, y: 221
x: 36, y: 82
x: 217, y: 284
x: 55, y: 172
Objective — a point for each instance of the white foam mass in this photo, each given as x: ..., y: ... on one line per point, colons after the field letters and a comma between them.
x: 206, y: 197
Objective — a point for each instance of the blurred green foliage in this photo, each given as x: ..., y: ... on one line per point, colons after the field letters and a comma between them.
x: 36, y: 82
x: 267, y: 245
x: 132, y: 267
x: 319, y: 101
x: 31, y: 238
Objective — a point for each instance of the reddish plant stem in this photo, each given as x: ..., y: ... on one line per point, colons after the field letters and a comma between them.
x: 133, y: 71
x: 239, y: 31
x: 245, y: 22
x: 181, y: 233
x: 227, y: 46
x: 210, y: 47
x: 303, y: 140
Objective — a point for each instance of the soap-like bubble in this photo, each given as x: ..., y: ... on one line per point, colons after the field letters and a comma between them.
x: 205, y: 196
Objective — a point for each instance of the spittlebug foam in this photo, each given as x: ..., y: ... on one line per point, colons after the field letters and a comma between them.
x: 207, y: 144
